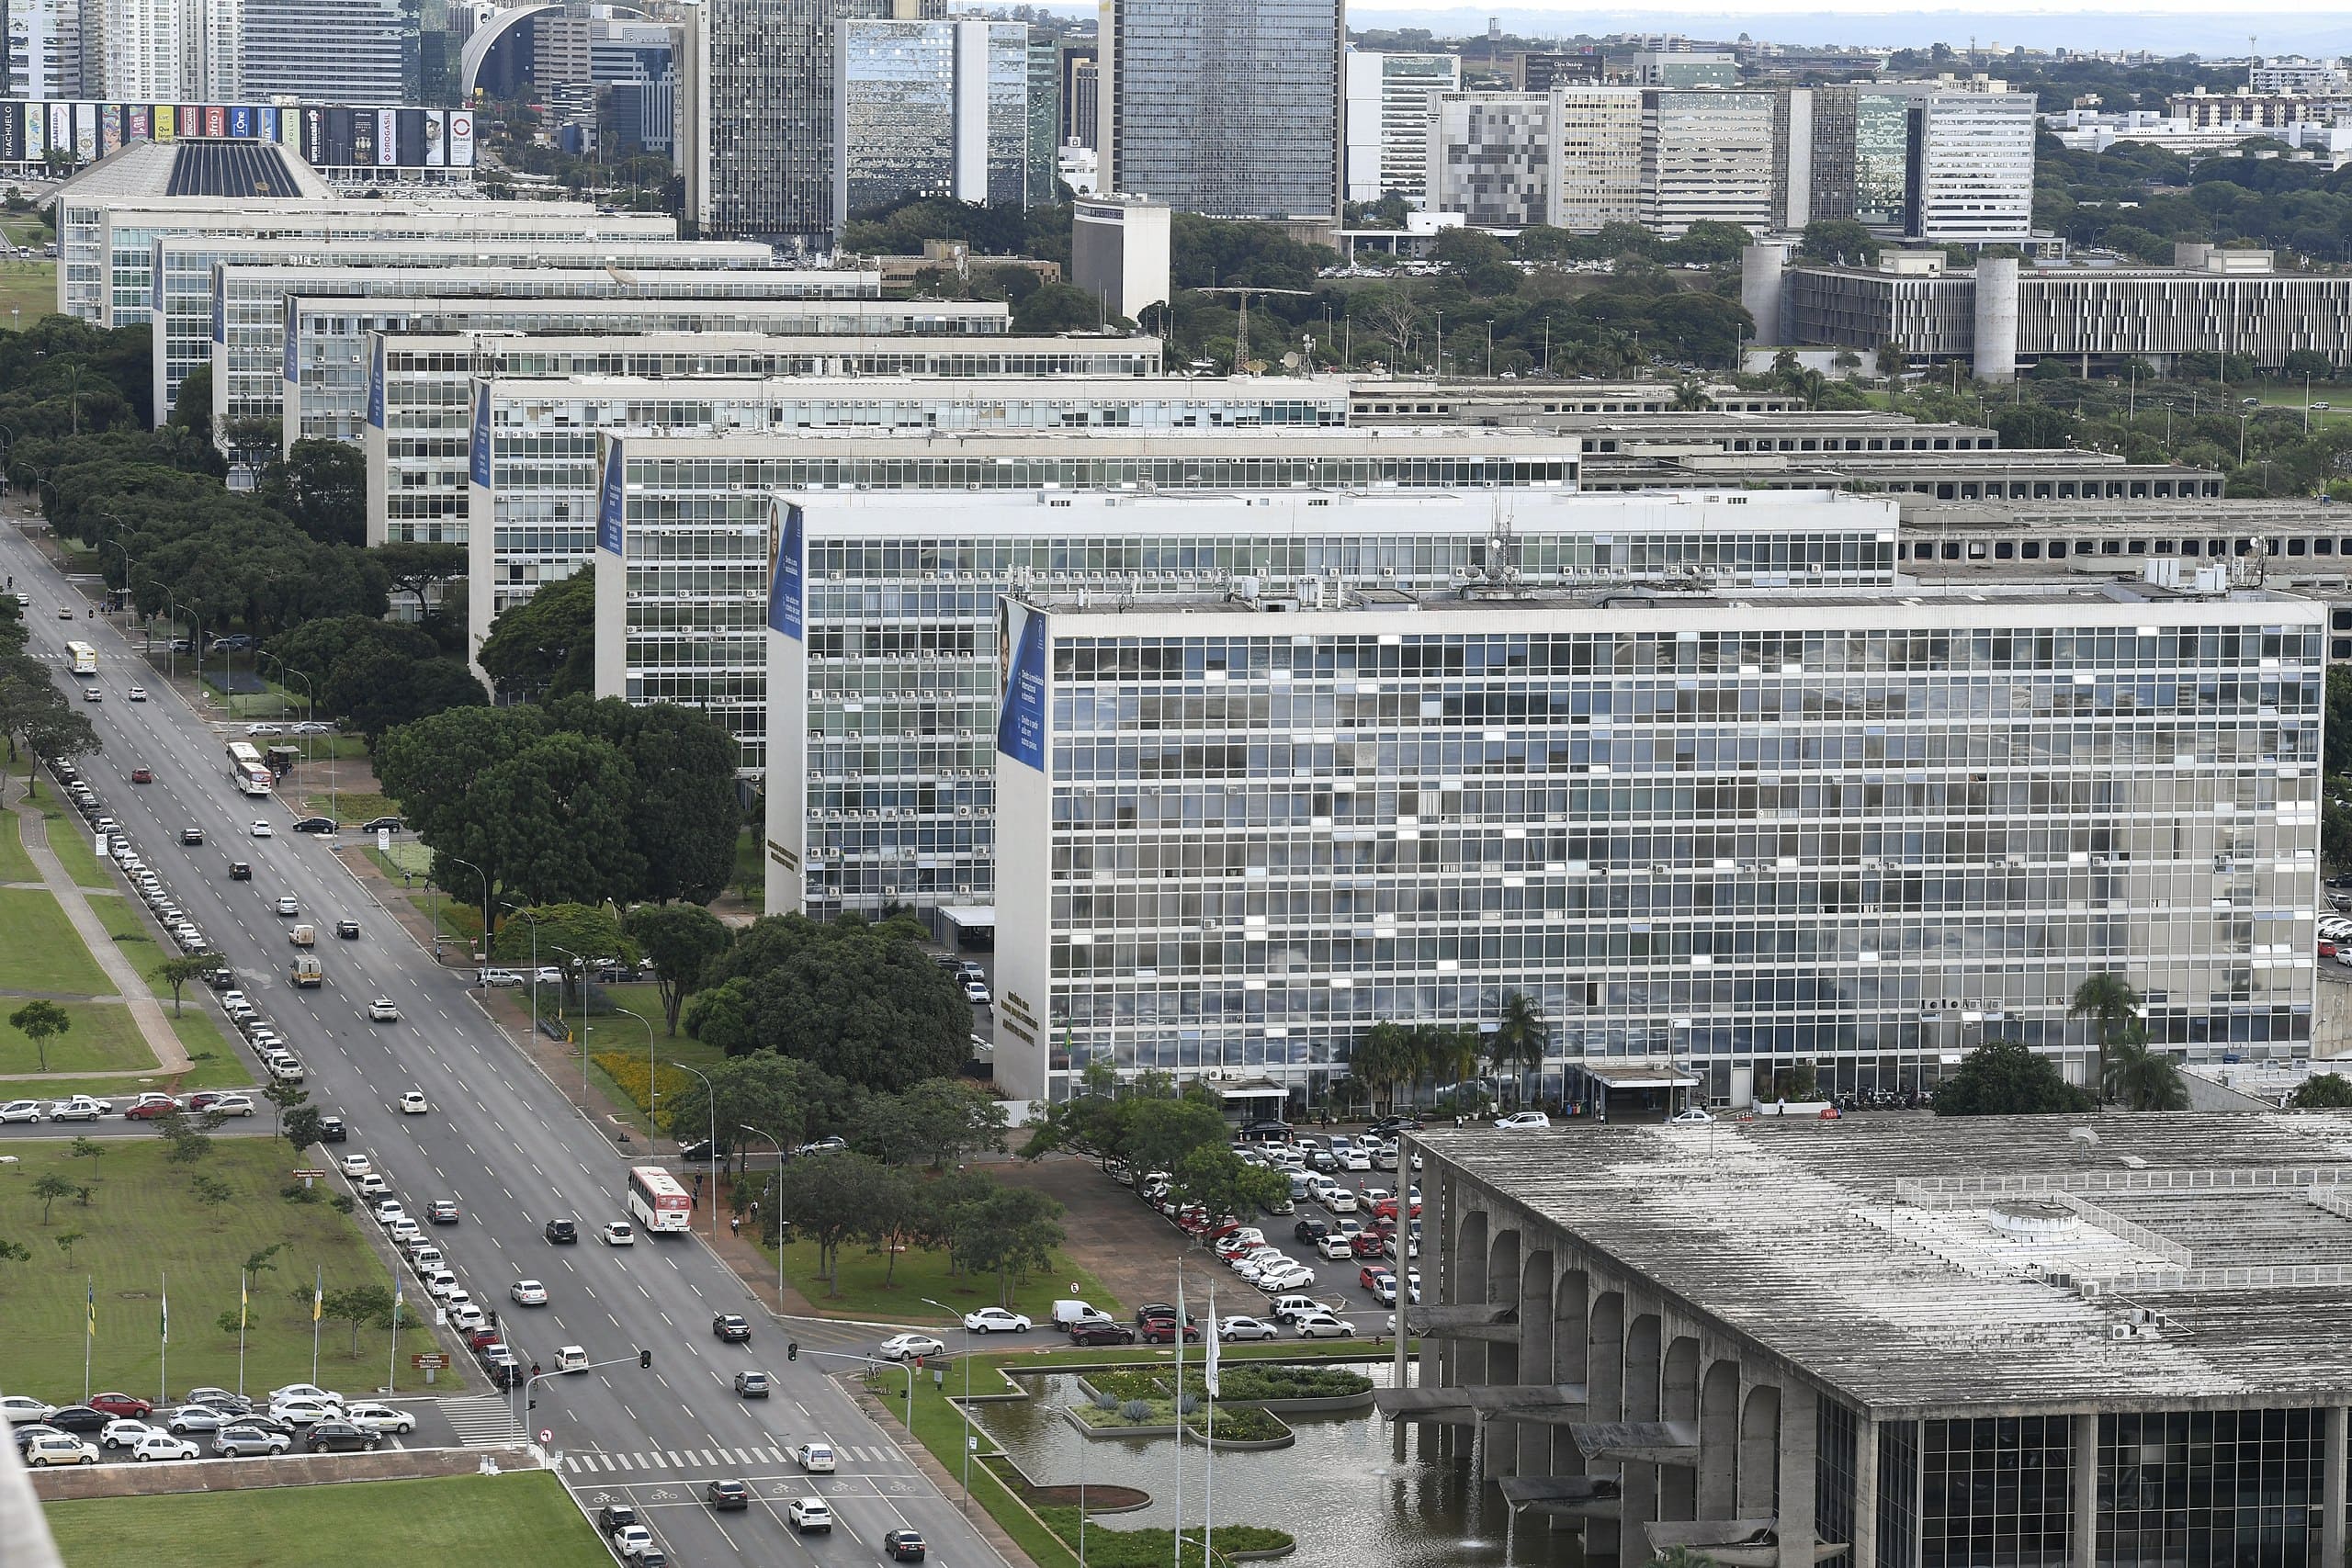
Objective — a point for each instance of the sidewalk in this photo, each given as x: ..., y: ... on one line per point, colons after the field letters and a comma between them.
x: 154, y: 1027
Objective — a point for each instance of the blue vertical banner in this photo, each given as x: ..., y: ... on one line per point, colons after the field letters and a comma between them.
x: 1021, y: 683
x: 480, y: 458
x: 787, y: 584
x: 240, y: 121
x: 612, y: 499
x: 220, y: 312
x: 376, y: 383
x: 293, y: 368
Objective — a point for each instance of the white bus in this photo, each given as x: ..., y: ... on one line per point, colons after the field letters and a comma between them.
x: 657, y: 1201
x: 82, y: 657
x: 247, y: 771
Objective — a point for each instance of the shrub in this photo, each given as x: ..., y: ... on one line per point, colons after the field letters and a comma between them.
x: 629, y: 1074
x: 341, y: 1204
x: 1137, y: 1410
x: 1108, y: 1547
x: 297, y: 1192
x: 1128, y: 1384
x: 1105, y: 1401
x: 1238, y: 1424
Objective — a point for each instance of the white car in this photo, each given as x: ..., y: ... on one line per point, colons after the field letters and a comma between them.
x: 59, y: 1447
x: 372, y: 1186
x: 373, y: 1417
x: 19, y: 1409
x: 443, y: 1285
x: 382, y: 1011
x: 814, y: 1457
x: 1335, y: 1248
x: 163, y: 1446
x: 528, y: 1292
x: 122, y: 1434
x: 1691, y: 1116
x: 976, y: 992
x: 403, y: 1230
x: 261, y: 830
x: 306, y: 1390
x: 500, y: 977
x: 413, y: 1103
x: 289, y: 905
x: 1324, y: 1325
x: 1339, y: 1201
x: 232, y: 1105
x: 24, y: 1110
x: 1297, y: 1278
x: 389, y: 1210
x: 78, y: 1108
x: 618, y: 1233
x: 906, y: 1347
x: 995, y: 1320
x: 137, y: 693
x: 303, y: 1412
x: 1244, y: 1329
x: 1524, y: 1119
x: 466, y: 1318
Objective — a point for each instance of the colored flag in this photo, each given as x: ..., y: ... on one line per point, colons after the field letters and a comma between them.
x: 1208, y: 1375
x: 90, y: 1306
x: 167, y: 1324
x: 318, y: 1301
x: 245, y: 1300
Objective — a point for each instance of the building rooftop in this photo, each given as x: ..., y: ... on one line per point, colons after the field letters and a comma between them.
x: 1915, y: 1264
x: 220, y: 169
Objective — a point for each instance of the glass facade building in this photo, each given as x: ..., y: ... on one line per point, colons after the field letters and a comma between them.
x: 934, y: 108
x: 1226, y: 107
x: 1865, y: 834
x: 881, y: 790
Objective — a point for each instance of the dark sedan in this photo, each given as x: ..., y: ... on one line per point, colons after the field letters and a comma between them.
x: 904, y: 1546
x: 83, y: 1418
x: 340, y: 1438
x: 1102, y: 1333
x: 726, y: 1496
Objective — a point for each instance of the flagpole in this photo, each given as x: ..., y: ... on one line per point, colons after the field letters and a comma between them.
x: 89, y: 1329
x: 243, y: 1299
x: 318, y: 1298
x: 164, y: 1347
x: 1180, y: 1414
x: 1208, y: 1463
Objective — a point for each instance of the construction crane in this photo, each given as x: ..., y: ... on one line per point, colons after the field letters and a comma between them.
x: 1242, y: 333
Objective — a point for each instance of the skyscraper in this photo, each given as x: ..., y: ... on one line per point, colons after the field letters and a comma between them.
x: 1388, y: 119
x: 349, y: 52
x: 1227, y: 108
x: 929, y: 109
x: 758, y: 151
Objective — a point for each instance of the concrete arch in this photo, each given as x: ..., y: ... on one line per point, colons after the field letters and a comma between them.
x: 1719, y: 1441
x: 1571, y: 1300
x: 1605, y: 1378
x: 1677, y: 1496
x: 1468, y: 1356
x: 1645, y: 1364
x: 1759, y: 1453
x: 489, y: 36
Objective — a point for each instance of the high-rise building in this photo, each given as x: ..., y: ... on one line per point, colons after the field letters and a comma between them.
x: 345, y: 51
x: 1388, y: 119
x: 1492, y: 157
x: 929, y: 109
x: 43, y: 40
x: 1082, y: 98
x: 1931, y: 161
x: 1045, y: 119
x: 1706, y: 155
x: 137, y: 47
x: 758, y: 120
x: 1119, y: 249
x: 1598, y: 157
x: 1226, y: 107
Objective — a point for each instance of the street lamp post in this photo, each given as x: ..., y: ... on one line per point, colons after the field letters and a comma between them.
x: 775, y: 1205
x: 967, y: 1406
x: 487, y: 914
x: 711, y: 1096
x: 310, y: 695
x: 562, y: 985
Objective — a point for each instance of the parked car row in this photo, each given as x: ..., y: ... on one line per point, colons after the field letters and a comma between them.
x: 317, y: 1420
x: 142, y: 878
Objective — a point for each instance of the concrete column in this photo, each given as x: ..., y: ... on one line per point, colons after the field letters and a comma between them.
x: 1799, y: 1445
x: 1996, y: 319
x: 2331, y: 1486
x: 1639, y: 1478
x: 1865, y: 1552
x: 1719, y: 1441
x: 1763, y: 269
x: 2085, y: 1515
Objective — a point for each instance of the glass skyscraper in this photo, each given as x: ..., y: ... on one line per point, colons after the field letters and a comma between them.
x: 930, y: 108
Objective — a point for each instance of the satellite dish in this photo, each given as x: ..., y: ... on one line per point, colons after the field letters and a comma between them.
x: 1289, y: 361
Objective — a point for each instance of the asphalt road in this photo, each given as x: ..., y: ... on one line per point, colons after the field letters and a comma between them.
x: 508, y: 1146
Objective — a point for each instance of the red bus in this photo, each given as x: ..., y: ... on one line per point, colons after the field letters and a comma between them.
x: 657, y: 1201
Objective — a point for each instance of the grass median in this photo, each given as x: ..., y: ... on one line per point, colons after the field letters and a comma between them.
x: 16, y: 865
x: 39, y: 950
x: 72, y: 843
x: 521, y: 1518
x: 149, y: 1224
x: 103, y: 1038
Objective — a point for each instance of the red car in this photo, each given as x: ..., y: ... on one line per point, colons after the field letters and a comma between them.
x: 1369, y: 1276
x: 203, y: 1099
x: 1162, y: 1331
x: 481, y: 1338
x: 147, y: 1107
x: 143, y: 775
x: 1369, y: 1244
x: 126, y: 1405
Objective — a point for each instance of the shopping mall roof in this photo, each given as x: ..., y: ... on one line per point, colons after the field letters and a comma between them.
x: 225, y: 168
x: 1916, y: 1264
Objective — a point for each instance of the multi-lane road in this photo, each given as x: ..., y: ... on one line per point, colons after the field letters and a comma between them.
x: 507, y: 1145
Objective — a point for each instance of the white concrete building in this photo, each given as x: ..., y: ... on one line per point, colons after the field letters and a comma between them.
x: 1119, y: 248
x: 1707, y: 155
x: 1388, y: 119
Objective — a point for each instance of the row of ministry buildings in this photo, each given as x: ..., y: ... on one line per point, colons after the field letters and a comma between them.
x: 1243, y: 713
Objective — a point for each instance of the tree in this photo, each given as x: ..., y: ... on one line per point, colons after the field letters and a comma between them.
x: 553, y: 821
x: 417, y: 569
x: 829, y: 1197
x: 681, y: 940
x: 546, y: 646
x: 376, y: 688
x: 2324, y: 1091
x: 894, y: 1207
x: 2113, y: 1005
x: 2004, y: 1078
x: 1010, y: 1232
x: 303, y: 1127
x: 2035, y: 426
x: 1060, y: 308
x: 1891, y: 361
x: 65, y: 1240
x: 1216, y: 1178
x: 49, y: 1187
x: 177, y: 972
x: 1690, y: 398
x: 209, y: 1190
x: 322, y: 487
x: 1522, y: 1040
x: 1838, y: 240
x: 283, y: 1096
x: 362, y: 1306
x: 2142, y: 1078
x: 40, y: 1021
x: 1162, y: 1131
x: 938, y: 1120
x: 86, y: 1148
x: 583, y: 930
x: 1385, y: 1055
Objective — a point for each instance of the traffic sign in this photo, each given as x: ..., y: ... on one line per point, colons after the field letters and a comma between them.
x: 308, y: 1175
x: 546, y: 1436
x: 428, y: 1359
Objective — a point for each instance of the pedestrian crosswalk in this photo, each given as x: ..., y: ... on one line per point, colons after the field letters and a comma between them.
x: 480, y: 1423
x: 716, y: 1458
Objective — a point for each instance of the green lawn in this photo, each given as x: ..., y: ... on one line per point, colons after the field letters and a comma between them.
x: 524, y: 1517
x: 70, y: 843
x: 104, y: 1038
x: 351, y: 807
x: 217, y: 1063
x: 145, y: 1228
x: 28, y: 292
x: 15, y: 864
x: 38, y: 951
x: 920, y: 1274
x: 130, y: 930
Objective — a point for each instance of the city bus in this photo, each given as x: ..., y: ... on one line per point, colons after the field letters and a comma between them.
x: 247, y: 771
x: 657, y: 1201
x: 82, y: 657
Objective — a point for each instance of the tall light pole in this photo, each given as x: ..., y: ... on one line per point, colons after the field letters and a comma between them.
x: 311, y: 695
x: 967, y: 1406
x: 710, y: 1096
x: 560, y: 986
x: 652, y: 1094
x: 776, y: 1206
x: 487, y: 913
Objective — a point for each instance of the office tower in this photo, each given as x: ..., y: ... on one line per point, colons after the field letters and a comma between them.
x: 1081, y: 96
x: 929, y: 109
x: 43, y: 38
x: 1929, y: 160
x: 1706, y: 155
x: 138, y: 48
x: 1045, y: 119
x: 1679, y: 68
x: 1598, y: 157
x: 348, y: 52
x: 1232, y: 840
x: 1491, y: 157
x: 1226, y: 107
x: 1119, y: 247
x: 759, y: 120
x: 1388, y: 119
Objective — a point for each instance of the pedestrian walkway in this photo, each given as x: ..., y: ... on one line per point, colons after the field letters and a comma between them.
x: 717, y: 1458
x: 154, y: 1027
x: 479, y: 1422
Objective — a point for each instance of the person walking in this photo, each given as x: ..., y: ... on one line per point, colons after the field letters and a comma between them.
x: 735, y: 1225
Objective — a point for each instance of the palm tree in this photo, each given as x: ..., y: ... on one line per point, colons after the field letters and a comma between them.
x: 1453, y: 1056
x: 1690, y: 398
x: 1384, y: 1057
x: 1522, y: 1040
x: 2109, y: 999
x: 2142, y: 1079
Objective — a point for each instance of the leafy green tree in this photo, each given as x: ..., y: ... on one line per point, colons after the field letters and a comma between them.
x: 585, y: 930
x: 2004, y: 1078
x: 1010, y: 1232
x: 1522, y: 1040
x: 49, y: 1187
x: 417, y: 569
x: 177, y: 972
x: 1162, y: 1131
x: 1216, y: 1178
x: 546, y: 646
x: 86, y: 1148
x: 685, y: 815
x: 303, y: 1127
x: 829, y: 1197
x: 1838, y: 240
x: 40, y: 1021
x: 938, y: 1119
x: 2112, y: 1004
x: 2324, y: 1091
x: 362, y: 1306
x: 2036, y: 426
x: 681, y: 940
x: 65, y: 1241
x: 322, y: 487
x: 209, y: 1190
x: 1385, y: 1056
x: 775, y: 1094
x: 283, y: 1096
x: 1059, y: 308
x: 895, y: 1210
x: 2140, y: 1079
x: 375, y: 688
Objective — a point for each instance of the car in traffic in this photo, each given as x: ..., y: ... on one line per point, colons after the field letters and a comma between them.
x: 18, y: 1409
x: 904, y: 1546
x: 382, y: 824
x: 1162, y: 1331
x: 24, y: 1110
x: 906, y: 1347
x: 137, y: 693
x: 81, y: 1107
x: 59, y: 1447
x: 242, y: 871
x: 149, y: 1106
x: 81, y: 1418
x: 357, y: 1165
x: 314, y: 825
x: 731, y: 1327
x: 348, y: 929
x: 163, y: 1446
x: 340, y: 1438
x: 498, y: 977
x: 195, y: 1418
x: 414, y: 1103
x: 304, y: 1412
x: 823, y: 1146
x: 442, y: 1212
x: 121, y: 1434
x: 1323, y: 1325
x: 751, y: 1385
x: 117, y: 1406
x: 1244, y: 1329
x: 618, y: 1233
x: 613, y: 1517
x: 383, y: 1009
x: 995, y: 1320
x: 191, y: 835
x: 1103, y: 1332
x: 369, y: 1417
x: 1691, y: 1116
x: 976, y: 991
x: 631, y: 1539
x: 809, y: 1515
x: 562, y: 1233
x: 289, y: 905
x: 726, y: 1496
x: 231, y: 1105
x: 245, y: 1439
x: 260, y: 829
x: 528, y: 1292
x: 815, y: 1456
x: 1297, y: 1278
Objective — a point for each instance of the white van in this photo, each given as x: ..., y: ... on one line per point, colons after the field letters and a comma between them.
x: 1068, y: 1314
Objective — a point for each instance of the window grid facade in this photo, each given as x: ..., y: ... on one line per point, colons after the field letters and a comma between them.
x: 1996, y: 1489
x: 2236, y: 1487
